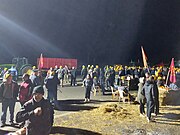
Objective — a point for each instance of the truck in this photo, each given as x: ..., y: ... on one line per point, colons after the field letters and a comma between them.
x: 52, y: 62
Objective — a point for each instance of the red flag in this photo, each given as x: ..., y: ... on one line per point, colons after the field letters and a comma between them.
x: 40, y: 64
x: 172, y: 71
x: 144, y: 58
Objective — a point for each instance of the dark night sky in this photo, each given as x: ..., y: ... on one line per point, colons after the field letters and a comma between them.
x: 94, y: 31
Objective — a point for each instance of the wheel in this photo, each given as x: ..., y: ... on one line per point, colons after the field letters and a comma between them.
x: 25, y: 69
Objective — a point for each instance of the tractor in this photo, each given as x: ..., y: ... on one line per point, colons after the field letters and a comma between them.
x: 21, y: 64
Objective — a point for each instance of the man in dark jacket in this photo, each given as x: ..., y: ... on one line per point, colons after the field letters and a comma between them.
x: 37, y: 114
x: 73, y: 76
x: 102, y: 81
x: 149, y: 92
x: 51, y: 83
x: 83, y: 74
x: 35, y: 78
x: 156, y: 95
x: 8, y: 94
x: 140, y: 97
x: 88, y: 85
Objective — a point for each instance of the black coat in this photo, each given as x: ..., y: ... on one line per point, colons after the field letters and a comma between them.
x: 15, y: 89
x: 51, y: 83
x: 36, y: 125
x: 88, y: 82
x: 149, y: 91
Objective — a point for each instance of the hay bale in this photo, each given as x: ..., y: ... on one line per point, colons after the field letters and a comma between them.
x: 111, y: 111
x: 169, y: 97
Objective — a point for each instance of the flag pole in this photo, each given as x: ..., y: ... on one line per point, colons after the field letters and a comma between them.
x: 167, y: 78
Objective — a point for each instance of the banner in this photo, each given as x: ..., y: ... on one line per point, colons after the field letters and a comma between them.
x: 40, y: 65
x: 172, y: 72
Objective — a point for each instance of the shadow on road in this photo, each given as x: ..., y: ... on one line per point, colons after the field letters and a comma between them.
x: 81, y: 101
x: 72, y: 131
x: 8, y: 128
x: 69, y: 107
x: 167, y: 122
x: 64, y: 131
x: 2, y: 132
x: 169, y: 118
x: 77, y: 105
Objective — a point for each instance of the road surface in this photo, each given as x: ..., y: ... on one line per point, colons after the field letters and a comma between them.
x: 70, y: 100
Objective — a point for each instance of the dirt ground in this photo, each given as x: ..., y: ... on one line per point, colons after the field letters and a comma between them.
x: 118, y: 119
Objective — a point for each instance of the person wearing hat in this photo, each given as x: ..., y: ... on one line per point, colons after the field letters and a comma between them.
x: 8, y: 94
x: 83, y: 74
x: 37, y: 113
x: 73, y: 76
x: 60, y: 73
x: 14, y: 73
x: 35, y: 78
x: 25, y: 89
x: 3, y: 72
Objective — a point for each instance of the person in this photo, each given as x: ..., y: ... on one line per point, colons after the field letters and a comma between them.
x: 37, y: 113
x: 147, y: 75
x: 112, y: 76
x: 88, y: 85
x: 107, y: 78
x: 160, y: 82
x: 173, y: 86
x: 140, y: 97
x: 156, y: 97
x: 25, y: 89
x: 73, y: 76
x: 148, y: 92
x: 8, y: 94
x: 60, y: 73
x: 97, y: 70
x: 83, y: 74
x: 66, y: 74
x: 3, y: 72
x: 51, y: 83
x: 14, y: 73
x: 102, y: 81
x: 35, y: 78
x: 95, y: 83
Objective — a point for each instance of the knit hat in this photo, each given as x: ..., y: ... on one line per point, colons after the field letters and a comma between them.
x: 38, y: 89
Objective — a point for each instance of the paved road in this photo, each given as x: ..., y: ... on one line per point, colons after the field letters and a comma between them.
x: 70, y: 100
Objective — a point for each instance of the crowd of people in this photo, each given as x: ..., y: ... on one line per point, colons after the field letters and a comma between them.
x: 111, y: 75
x: 36, y: 108
x: 36, y: 115
x: 149, y: 80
